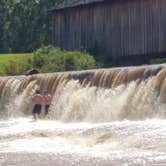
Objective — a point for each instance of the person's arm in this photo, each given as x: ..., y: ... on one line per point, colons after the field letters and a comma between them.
x: 50, y: 98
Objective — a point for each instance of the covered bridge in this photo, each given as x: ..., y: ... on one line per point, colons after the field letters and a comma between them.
x: 111, y: 29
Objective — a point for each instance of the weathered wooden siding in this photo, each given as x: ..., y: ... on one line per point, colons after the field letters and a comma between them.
x: 115, y: 28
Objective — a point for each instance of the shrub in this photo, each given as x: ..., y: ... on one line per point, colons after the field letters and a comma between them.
x: 51, y: 59
x: 15, y: 67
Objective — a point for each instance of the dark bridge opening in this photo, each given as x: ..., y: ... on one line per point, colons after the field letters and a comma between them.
x: 133, y: 60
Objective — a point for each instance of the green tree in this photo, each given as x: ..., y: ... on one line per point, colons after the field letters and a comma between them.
x: 24, y: 24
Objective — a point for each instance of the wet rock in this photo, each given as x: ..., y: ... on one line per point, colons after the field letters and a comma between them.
x: 31, y: 72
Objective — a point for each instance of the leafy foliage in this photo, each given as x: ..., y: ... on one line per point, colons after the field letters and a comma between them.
x: 24, y: 24
x: 51, y: 59
x: 46, y: 59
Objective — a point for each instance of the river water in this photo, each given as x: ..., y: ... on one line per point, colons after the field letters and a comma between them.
x: 87, y: 125
x: 24, y: 142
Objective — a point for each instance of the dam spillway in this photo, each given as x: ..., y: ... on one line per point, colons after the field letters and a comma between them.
x: 106, y: 116
x: 124, y: 93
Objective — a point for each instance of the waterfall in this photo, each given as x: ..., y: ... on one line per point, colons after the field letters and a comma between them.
x: 133, y: 93
x: 97, y: 117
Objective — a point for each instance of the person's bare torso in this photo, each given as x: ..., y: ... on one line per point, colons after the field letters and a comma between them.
x: 47, y: 99
x: 37, y: 99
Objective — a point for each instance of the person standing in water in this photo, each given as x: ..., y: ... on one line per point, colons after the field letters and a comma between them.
x: 37, y: 101
x: 47, y: 98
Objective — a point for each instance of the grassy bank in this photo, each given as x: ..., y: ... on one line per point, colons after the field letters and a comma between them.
x: 46, y: 59
x: 5, y: 58
x: 8, y: 59
x: 158, y: 61
x: 50, y: 59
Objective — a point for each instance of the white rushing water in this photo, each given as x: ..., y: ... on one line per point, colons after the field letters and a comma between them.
x: 53, y: 143
x: 87, y: 125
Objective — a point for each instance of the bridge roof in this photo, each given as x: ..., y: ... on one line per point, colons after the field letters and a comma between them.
x: 73, y: 3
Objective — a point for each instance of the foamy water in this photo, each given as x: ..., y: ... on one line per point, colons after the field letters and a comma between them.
x: 126, y: 142
x: 114, y: 117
